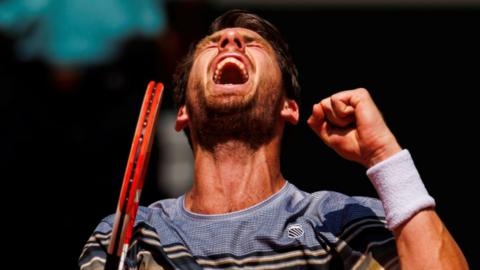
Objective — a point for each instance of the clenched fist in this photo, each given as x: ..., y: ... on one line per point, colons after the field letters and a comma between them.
x: 350, y: 123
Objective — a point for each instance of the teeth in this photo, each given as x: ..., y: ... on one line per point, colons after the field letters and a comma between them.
x: 239, y: 64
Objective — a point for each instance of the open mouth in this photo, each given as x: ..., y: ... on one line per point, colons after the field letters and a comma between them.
x: 230, y: 71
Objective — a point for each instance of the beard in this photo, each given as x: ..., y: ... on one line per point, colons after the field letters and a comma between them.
x: 248, y: 120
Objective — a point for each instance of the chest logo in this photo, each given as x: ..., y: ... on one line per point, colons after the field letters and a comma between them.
x: 295, y: 231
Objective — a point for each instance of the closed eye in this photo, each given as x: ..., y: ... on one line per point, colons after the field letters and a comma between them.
x: 251, y: 41
x: 212, y: 45
x: 255, y: 44
x: 209, y: 42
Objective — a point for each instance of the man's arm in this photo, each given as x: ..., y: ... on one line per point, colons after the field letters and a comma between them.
x: 423, y: 242
x: 350, y: 123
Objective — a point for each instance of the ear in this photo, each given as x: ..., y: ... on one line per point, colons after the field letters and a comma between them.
x: 290, y: 112
x: 182, y: 119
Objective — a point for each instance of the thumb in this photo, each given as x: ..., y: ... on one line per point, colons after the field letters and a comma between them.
x: 318, y: 123
x: 317, y: 118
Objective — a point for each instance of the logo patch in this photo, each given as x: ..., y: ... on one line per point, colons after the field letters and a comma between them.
x: 295, y: 231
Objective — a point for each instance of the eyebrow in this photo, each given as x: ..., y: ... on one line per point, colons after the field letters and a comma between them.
x: 247, y: 37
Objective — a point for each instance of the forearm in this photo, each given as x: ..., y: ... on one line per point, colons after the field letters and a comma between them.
x: 423, y: 242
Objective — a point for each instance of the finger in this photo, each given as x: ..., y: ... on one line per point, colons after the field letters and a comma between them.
x: 365, y: 110
x: 329, y: 134
x: 331, y: 115
x: 340, y: 108
x: 321, y: 129
x: 332, y: 136
x: 317, y: 118
x: 353, y: 97
x: 340, y: 138
x: 343, y: 111
x: 324, y: 133
x: 318, y: 123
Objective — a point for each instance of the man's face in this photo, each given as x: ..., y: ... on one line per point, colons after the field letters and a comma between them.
x: 231, y: 65
x: 234, y: 89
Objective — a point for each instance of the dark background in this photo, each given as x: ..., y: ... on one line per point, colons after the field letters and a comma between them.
x: 65, y: 144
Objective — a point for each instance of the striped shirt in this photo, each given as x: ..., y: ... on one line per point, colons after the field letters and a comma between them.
x: 292, y: 229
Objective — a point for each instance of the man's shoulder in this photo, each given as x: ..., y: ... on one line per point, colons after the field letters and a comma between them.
x: 354, y: 224
x: 148, y: 222
x: 335, y: 201
x: 145, y: 214
x: 334, y: 211
x: 165, y: 205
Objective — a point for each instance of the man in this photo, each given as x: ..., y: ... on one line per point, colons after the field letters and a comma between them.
x: 235, y: 92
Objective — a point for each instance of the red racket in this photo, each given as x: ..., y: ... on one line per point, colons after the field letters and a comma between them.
x: 134, y: 177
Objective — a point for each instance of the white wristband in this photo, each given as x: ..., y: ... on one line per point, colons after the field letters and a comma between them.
x: 400, y: 188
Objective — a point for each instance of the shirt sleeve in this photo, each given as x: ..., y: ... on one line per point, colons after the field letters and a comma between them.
x: 144, y: 253
x: 94, y: 252
x: 354, y: 229
x: 364, y: 241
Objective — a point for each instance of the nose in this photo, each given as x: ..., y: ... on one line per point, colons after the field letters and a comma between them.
x: 231, y: 40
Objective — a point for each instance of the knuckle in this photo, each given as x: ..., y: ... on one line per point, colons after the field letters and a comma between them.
x: 363, y: 91
x: 335, y: 98
x: 325, y: 103
x: 324, y: 136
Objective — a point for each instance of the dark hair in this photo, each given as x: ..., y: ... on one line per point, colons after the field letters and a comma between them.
x: 247, y: 20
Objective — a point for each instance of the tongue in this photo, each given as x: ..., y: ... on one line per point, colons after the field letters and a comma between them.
x: 231, y: 74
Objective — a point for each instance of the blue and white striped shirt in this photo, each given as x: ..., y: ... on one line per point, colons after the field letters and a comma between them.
x: 292, y: 229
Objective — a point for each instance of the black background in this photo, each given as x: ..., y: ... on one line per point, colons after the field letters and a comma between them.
x: 66, y: 151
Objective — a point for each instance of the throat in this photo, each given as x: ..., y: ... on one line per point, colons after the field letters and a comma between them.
x: 230, y: 179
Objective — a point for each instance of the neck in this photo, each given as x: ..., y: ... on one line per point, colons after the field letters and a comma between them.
x: 233, y: 177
